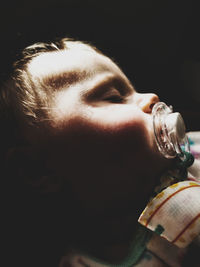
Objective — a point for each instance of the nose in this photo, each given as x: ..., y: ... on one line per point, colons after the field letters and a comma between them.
x: 147, y: 101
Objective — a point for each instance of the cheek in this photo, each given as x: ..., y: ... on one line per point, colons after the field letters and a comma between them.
x: 104, y: 156
x: 109, y: 124
x: 120, y: 125
x: 116, y: 138
x: 127, y: 140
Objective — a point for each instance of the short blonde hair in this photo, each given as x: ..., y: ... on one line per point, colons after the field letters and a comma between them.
x: 24, y: 104
x: 27, y: 97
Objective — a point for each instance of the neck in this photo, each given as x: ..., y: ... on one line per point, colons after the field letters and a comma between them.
x: 111, y: 243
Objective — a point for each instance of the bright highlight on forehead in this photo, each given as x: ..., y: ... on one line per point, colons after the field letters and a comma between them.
x: 78, y: 58
x: 57, y: 61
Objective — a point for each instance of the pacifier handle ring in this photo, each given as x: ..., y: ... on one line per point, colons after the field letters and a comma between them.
x: 187, y: 160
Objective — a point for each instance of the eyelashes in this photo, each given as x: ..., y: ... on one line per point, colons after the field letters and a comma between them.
x: 113, y: 96
x: 115, y: 99
x: 110, y: 90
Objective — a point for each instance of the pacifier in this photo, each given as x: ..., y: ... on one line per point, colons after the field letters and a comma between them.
x: 170, y: 132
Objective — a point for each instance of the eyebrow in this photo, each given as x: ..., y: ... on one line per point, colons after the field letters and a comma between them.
x: 65, y: 79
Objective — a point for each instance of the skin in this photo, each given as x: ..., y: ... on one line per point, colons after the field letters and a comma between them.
x: 101, y: 142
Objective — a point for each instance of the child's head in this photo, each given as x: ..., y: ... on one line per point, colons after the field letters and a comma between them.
x: 83, y: 127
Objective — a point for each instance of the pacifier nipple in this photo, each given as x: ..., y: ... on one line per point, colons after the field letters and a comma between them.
x: 170, y: 131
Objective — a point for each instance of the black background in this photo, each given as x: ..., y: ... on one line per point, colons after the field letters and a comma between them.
x: 156, y: 42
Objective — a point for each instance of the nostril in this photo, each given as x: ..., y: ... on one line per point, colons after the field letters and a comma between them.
x: 155, y: 99
x: 152, y: 105
x: 147, y: 101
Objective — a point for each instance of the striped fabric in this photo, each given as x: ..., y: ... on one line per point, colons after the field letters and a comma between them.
x: 174, y: 213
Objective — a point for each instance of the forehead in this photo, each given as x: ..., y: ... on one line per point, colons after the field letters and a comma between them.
x: 79, y: 62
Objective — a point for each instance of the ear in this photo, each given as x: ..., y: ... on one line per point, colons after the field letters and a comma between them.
x: 28, y: 167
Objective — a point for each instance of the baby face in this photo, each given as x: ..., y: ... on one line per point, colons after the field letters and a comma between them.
x: 102, y: 139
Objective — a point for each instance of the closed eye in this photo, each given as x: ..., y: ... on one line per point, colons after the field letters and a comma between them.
x: 115, y: 99
x: 110, y: 89
x: 113, y: 96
